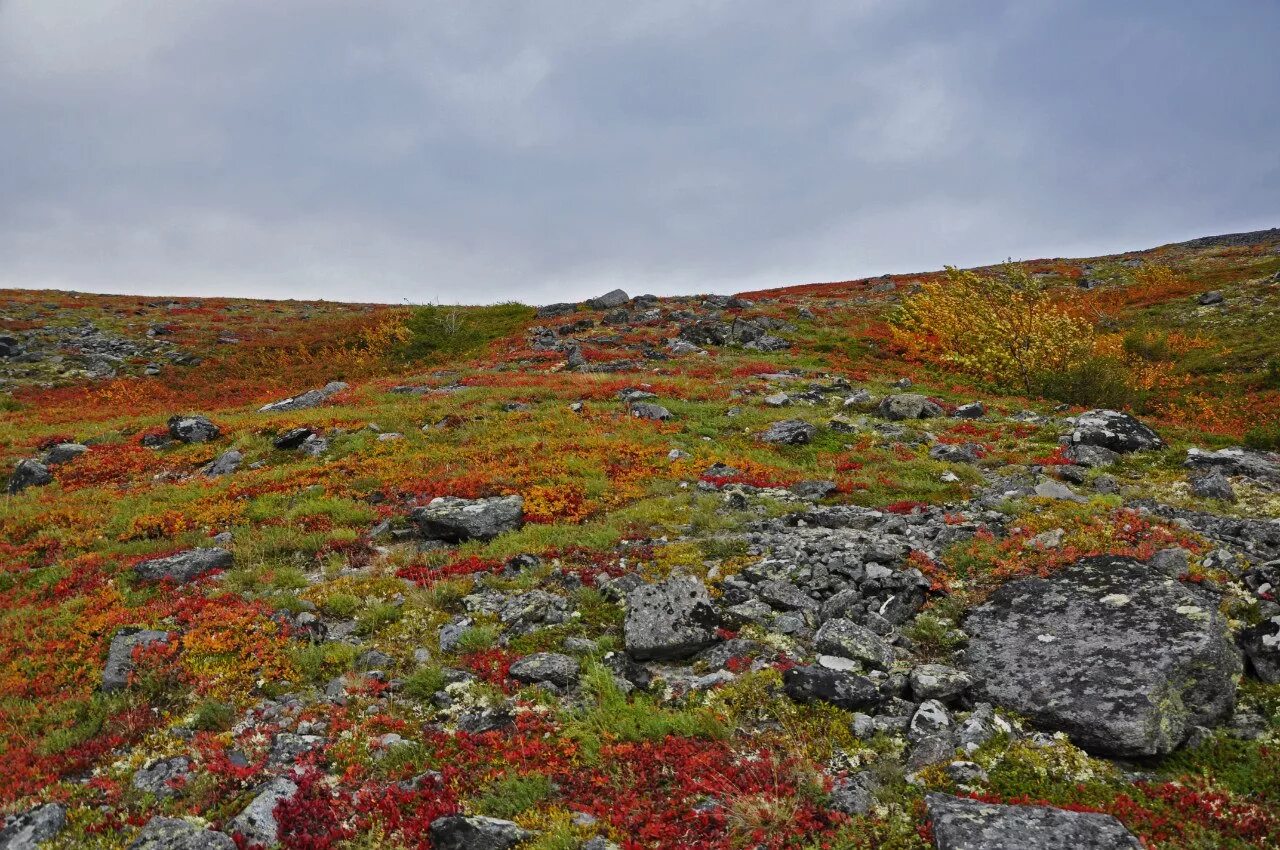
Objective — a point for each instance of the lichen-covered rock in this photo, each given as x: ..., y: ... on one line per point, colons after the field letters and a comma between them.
x: 840, y: 688
x: 115, y: 675
x: 163, y: 777
x: 791, y: 432
x: 311, y: 398
x: 649, y: 410
x: 1123, y: 658
x: 938, y: 682
x: 1263, y: 467
x: 184, y: 566
x: 1261, y: 644
x: 963, y: 824
x: 193, y: 429
x: 673, y: 619
x: 258, y: 820
x: 29, y: 472
x: 1213, y: 485
x: 64, y: 453
x: 1114, y: 430
x: 224, y: 464
x: 457, y: 520
x: 178, y: 834
x: 609, y: 300
x: 847, y: 639
x: 463, y: 832
x: 29, y: 829
x: 907, y: 406
x: 553, y: 667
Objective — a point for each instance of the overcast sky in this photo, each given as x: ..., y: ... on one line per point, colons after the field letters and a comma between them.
x: 392, y: 150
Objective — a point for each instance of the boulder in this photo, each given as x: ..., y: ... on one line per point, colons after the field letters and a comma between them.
x: 1214, y: 485
x: 907, y: 406
x: 311, y: 398
x: 293, y: 438
x: 456, y: 520
x: 32, y: 827
x: 960, y: 823
x: 29, y: 472
x: 1114, y: 430
x: 257, y: 822
x: 115, y: 675
x: 225, y: 464
x: 469, y: 832
x: 184, y: 566
x: 178, y: 834
x: 64, y: 453
x: 609, y: 300
x: 553, y: 667
x: 791, y: 432
x: 1086, y: 455
x: 648, y: 410
x: 1208, y: 299
x: 163, y: 778
x: 813, y: 489
x: 841, y: 688
x: 957, y: 453
x: 1123, y: 658
x: 1257, y: 466
x: 193, y: 429
x: 555, y: 311
x: 972, y: 410
x: 849, y: 640
x: 938, y: 682
x: 673, y: 619
x: 1262, y: 646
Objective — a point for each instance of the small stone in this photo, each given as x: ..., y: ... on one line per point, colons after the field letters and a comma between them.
x: 552, y: 667
x: 193, y: 429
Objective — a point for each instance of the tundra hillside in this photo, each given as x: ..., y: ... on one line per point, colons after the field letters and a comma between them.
x: 980, y: 558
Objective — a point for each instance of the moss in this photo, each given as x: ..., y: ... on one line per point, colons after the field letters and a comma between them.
x: 514, y: 795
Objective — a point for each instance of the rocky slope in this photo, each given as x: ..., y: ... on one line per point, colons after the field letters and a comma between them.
x: 690, y: 572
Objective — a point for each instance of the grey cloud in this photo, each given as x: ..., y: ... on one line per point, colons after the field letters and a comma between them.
x: 484, y: 151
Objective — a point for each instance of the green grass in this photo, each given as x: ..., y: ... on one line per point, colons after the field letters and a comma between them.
x: 514, y: 795
x: 437, y: 332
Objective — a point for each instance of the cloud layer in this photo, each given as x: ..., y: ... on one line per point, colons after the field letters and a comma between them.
x: 545, y: 151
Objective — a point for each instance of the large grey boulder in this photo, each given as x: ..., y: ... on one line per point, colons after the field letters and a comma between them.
x: 25, y: 831
x: 791, y: 432
x: 224, y: 464
x: 184, y: 566
x: 609, y: 300
x: 163, y: 777
x: 907, y: 406
x: 839, y: 687
x: 553, y: 667
x: 193, y: 429
x: 64, y: 453
x: 258, y: 820
x: 1114, y: 430
x: 456, y: 520
x: 463, y: 832
x: 311, y: 398
x: 1117, y: 654
x: 649, y: 410
x: 1258, y: 466
x: 115, y: 675
x: 674, y: 619
x: 963, y: 824
x: 29, y: 472
x: 178, y: 834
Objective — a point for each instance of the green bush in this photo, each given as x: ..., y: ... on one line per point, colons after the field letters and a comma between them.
x: 1092, y: 382
x: 1264, y: 437
x: 424, y: 683
x: 436, y: 331
x: 514, y: 795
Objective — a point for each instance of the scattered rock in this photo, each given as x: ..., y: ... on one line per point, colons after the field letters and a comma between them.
x: 193, y: 429
x: 1210, y: 298
x: 648, y: 410
x: 1119, y: 656
x: 1261, y: 645
x: 1086, y: 455
x: 470, y: 832
x: 840, y: 688
x: 609, y: 300
x: 553, y: 667
x: 115, y: 675
x: 64, y: 453
x: 311, y: 398
x: 907, y: 406
x: 673, y: 619
x: 178, y: 834
x: 456, y: 520
x: 29, y: 473
x: 850, y: 640
x: 938, y: 682
x: 1215, y: 485
x: 960, y: 823
x: 184, y: 566
x: 163, y: 778
x: 225, y: 464
x: 32, y: 827
x: 257, y: 822
x: 792, y: 432
x: 1114, y: 430
x: 972, y: 410
x: 1263, y: 467
x: 293, y: 438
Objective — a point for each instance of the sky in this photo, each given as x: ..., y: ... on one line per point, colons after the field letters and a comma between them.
x: 401, y: 151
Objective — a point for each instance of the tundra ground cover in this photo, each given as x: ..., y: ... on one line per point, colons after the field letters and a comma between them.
x: 381, y: 668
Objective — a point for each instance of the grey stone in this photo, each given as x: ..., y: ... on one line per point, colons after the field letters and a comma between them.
x: 648, y: 410
x: 673, y: 619
x: 184, y: 566
x: 907, y: 406
x: 849, y: 640
x: 553, y: 667
x: 1208, y: 299
x: 314, y: 445
x: 854, y: 795
x: 25, y: 831
x: 793, y: 432
x: 840, y: 688
x: 163, y: 777
x: 115, y: 674
x: 963, y: 824
x: 1050, y: 489
x: 1094, y: 457
x: 258, y: 820
x: 813, y: 489
x: 958, y: 453
x: 293, y: 438
x: 178, y: 834
x: 311, y: 398
x: 193, y: 429
x: 464, y: 832
x: 225, y: 464
x: 1122, y: 658
x: 1173, y: 562
x: 972, y: 410
x: 930, y: 749
x: 930, y: 720
x: 938, y: 682
x: 29, y: 472
x: 457, y: 520
x: 1114, y: 430
x: 609, y: 300
x: 777, y: 400
x: 1214, y: 485
x: 1261, y: 644
x: 64, y: 453
x: 1245, y: 463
